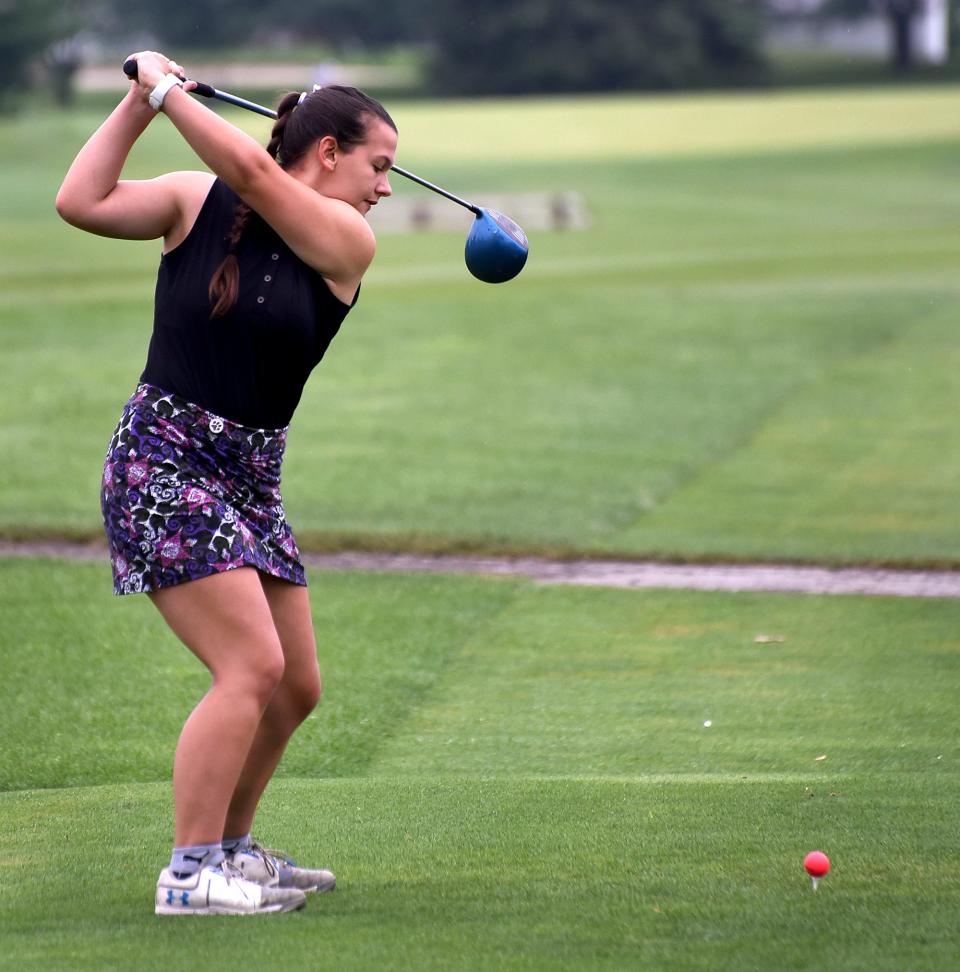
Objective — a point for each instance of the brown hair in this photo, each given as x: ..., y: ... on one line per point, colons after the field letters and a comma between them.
x: 338, y: 110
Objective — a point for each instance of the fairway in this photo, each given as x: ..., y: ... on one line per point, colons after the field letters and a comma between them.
x: 748, y: 355
x: 507, y: 776
x: 630, y: 127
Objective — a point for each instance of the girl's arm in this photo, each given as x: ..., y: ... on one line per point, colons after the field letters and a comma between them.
x: 327, y: 234
x: 93, y: 198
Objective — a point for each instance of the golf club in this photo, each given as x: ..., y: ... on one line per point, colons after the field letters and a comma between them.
x: 496, y: 247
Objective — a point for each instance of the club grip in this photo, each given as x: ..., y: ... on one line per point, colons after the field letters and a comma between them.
x: 202, y: 88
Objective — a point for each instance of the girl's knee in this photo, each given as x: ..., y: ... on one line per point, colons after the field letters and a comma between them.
x: 305, y: 695
x: 269, y: 670
x: 258, y: 671
x: 297, y: 696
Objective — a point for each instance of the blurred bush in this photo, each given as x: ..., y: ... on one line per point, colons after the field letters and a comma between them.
x: 529, y: 46
x: 27, y: 29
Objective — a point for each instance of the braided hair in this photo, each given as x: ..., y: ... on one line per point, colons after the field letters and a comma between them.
x: 302, y: 120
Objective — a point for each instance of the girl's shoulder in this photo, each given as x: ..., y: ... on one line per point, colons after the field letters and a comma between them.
x: 192, y: 192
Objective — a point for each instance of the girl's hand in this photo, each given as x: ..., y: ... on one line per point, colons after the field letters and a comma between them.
x: 152, y: 67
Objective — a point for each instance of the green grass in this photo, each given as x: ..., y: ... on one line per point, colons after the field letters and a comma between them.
x: 749, y: 354
x: 391, y: 655
x: 505, y: 776
x: 509, y: 874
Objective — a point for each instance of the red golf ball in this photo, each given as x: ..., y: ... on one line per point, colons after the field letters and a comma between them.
x: 816, y: 863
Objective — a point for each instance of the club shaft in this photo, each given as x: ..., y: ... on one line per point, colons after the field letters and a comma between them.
x: 208, y: 91
x: 442, y: 192
x: 234, y: 100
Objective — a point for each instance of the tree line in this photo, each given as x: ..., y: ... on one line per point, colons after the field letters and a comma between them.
x: 492, y: 47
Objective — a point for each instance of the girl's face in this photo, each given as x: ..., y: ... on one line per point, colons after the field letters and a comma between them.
x: 360, y: 175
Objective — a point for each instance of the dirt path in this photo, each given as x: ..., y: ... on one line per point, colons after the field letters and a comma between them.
x: 636, y: 574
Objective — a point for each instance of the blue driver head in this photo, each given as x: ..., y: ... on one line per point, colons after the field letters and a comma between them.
x: 496, y: 247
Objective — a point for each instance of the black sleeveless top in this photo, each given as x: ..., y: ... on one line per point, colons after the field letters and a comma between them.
x: 250, y: 365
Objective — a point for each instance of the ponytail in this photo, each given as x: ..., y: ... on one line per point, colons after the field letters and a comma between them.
x: 302, y: 120
x: 224, y: 285
x: 225, y: 282
x: 284, y: 110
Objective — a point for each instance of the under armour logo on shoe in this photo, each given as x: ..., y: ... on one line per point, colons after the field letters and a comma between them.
x: 184, y: 897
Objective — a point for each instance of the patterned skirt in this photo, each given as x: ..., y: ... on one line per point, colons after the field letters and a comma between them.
x: 187, y: 494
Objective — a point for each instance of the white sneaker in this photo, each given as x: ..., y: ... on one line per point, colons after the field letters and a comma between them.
x: 273, y: 869
x: 221, y: 890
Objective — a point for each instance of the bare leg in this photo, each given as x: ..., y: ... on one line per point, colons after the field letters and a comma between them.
x: 295, y: 698
x: 225, y: 621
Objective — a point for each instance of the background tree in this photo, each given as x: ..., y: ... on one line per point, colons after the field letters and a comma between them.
x: 199, y: 23
x: 901, y: 16
x: 524, y: 46
x: 343, y: 24
x: 27, y: 29
x: 347, y: 24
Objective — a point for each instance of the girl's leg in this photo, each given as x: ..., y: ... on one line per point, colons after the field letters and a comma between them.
x: 294, y: 699
x: 226, y: 621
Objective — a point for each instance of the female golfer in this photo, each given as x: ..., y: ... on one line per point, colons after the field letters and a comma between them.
x: 262, y: 260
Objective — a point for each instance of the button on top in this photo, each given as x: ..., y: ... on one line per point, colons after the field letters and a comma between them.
x: 274, y: 256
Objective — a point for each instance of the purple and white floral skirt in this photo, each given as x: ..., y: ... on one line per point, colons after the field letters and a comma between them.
x: 187, y: 493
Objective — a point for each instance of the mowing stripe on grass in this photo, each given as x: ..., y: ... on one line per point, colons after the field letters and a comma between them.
x: 96, y: 689
x: 573, y: 412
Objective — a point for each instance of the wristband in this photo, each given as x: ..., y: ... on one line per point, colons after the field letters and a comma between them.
x: 160, y: 91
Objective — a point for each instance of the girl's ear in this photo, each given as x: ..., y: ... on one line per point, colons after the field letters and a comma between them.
x: 327, y: 152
